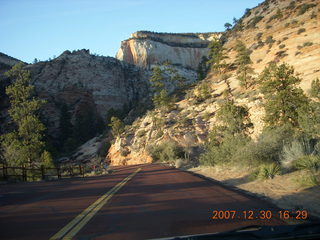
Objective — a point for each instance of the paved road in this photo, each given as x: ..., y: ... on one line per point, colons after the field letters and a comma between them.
x: 156, y: 202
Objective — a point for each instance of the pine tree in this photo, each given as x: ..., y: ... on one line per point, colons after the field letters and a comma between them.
x: 283, y: 96
x: 235, y: 118
x: 161, y: 98
x: 25, y: 144
x: 309, y: 114
x: 216, y: 56
x: 315, y: 89
x: 157, y: 79
x: 203, y: 68
x: 244, y: 62
x: 227, y: 26
x: 117, y: 126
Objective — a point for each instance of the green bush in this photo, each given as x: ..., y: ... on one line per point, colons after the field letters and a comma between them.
x: 307, y: 44
x: 301, y: 30
x: 124, y: 152
x: 305, y: 7
x: 266, y: 149
x: 308, y: 180
x: 254, y: 21
x: 165, y: 152
x: 293, y: 151
x: 141, y: 133
x: 308, y: 162
x: 278, y: 15
x: 222, y: 153
x: 282, y: 46
x: 268, y: 171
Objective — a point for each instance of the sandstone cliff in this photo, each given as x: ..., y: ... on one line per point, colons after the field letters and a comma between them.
x: 146, y: 48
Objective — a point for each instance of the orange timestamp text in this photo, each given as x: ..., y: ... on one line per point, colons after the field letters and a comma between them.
x: 259, y: 214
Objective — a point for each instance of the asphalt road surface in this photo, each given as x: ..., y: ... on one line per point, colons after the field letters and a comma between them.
x: 134, y: 202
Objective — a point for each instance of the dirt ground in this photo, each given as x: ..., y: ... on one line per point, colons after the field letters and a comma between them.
x: 283, y: 190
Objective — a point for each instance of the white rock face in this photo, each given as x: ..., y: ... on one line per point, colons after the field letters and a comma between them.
x: 144, y: 48
x: 72, y: 77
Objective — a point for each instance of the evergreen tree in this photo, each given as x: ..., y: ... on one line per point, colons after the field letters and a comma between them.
x: 244, y: 62
x: 25, y: 144
x: 309, y: 114
x: 235, y: 118
x: 161, y: 98
x: 203, y: 68
x: 315, y: 89
x: 283, y: 96
x: 157, y: 79
x: 117, y: 126
x: 227, y: 26
x: 216, y: 56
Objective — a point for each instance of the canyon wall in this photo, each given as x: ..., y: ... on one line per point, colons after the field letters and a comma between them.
x: 147, y: 48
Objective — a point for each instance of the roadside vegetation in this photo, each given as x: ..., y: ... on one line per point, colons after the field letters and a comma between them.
x: 290, y: 140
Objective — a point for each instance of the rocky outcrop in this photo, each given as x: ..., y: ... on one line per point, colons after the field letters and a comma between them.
x: 74, y: 76
x: 146, y: 48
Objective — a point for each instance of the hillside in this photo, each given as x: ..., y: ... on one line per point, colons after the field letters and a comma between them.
x: 191, y: 121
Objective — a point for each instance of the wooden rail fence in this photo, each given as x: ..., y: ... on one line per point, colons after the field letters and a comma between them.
x: 29, y: 173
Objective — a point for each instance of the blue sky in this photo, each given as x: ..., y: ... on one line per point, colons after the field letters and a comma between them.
x: 44, y: 28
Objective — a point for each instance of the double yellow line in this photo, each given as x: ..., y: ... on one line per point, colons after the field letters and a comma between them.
x: 73, y: 227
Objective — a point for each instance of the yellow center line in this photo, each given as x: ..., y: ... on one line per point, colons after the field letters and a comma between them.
x: 73, y: 227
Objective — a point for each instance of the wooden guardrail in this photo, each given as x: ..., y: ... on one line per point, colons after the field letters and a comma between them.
x: 31, y: 174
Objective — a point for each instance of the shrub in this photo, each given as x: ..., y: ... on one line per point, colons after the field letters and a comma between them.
x: 313, y: 15
x: 304, y: 8
x: 294, y: 151
x: 141, y: 133
x: 270, y: 41
x: 268, y: 171
x: 308, y: 180
x: 278, y: 15
x: 308, y: 162
x: 286, y: 25
x: 266, y: 150
x: 167, y: 152
x: 301, y: 30
x: 307, y: 44
x: 282, y: 46
x: 222, y: 153
x: 292, y: 5
x: 253, y: 22
x: 124, y: 152
x: 258, y: 36
x: 281, y: 54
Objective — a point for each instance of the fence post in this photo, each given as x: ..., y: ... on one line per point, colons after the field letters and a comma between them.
x: 24, y: 173
x: 5, y: 172
x: 71, y: 171
x: 58, y: 172
x: 42, y: 172
x: 81, y: 171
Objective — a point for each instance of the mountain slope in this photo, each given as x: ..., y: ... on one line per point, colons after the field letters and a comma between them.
x: 277, y: 30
